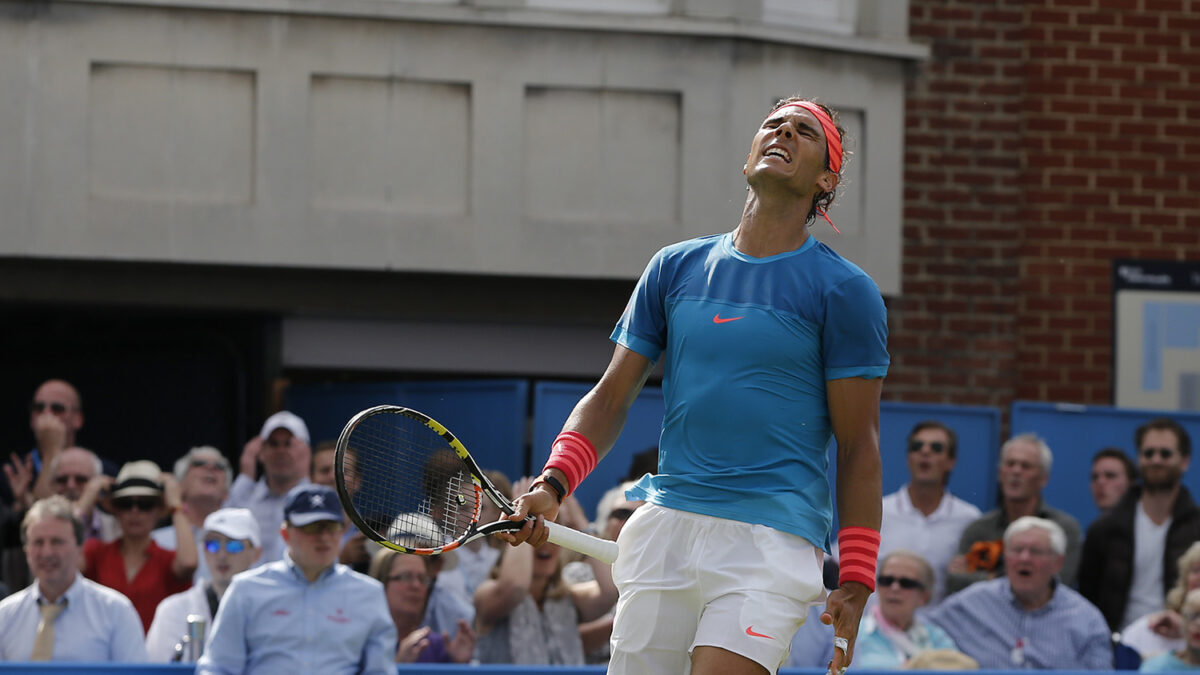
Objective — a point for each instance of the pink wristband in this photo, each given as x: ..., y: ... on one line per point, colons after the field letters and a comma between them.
x: 574, y: 455
x: 858, y: 553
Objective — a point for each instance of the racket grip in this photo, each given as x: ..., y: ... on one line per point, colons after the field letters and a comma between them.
x: 601, y: 549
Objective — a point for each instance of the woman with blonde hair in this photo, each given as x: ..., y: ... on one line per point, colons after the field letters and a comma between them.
x: 1163, y: 631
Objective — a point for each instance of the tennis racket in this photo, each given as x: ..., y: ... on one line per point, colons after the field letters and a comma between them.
x: 410, y: 485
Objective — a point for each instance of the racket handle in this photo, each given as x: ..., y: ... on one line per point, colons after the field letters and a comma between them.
x: 603, y: 550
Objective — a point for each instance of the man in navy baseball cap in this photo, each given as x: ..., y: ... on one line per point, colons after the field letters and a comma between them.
x: 304, y: 613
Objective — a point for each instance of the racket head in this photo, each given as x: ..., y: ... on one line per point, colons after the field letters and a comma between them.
x: 407, y: 482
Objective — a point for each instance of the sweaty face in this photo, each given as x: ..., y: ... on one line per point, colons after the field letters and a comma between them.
x: 1109, y: 482
x: 51, y: 551
x: 789, y: 148
x: 1021, y: 475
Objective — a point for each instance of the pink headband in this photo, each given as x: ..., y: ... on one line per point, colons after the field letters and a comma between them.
x: 833, y: 142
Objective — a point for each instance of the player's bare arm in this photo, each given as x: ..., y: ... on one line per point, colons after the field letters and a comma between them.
x: 599, y: 416
x: 854, y: 414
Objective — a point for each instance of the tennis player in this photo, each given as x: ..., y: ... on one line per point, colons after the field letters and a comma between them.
x: 773, y: 344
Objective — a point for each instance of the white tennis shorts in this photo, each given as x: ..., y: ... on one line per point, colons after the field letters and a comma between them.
x: 689, y: 580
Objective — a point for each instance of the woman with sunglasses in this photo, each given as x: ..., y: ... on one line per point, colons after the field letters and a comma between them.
x: 890, y: 634
x: 133, y: 564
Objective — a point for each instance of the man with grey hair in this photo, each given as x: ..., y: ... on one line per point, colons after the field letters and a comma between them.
x: 204, y: 476
x: 1029, y: 619
x: 63, y: 616
x: 1025, y: 462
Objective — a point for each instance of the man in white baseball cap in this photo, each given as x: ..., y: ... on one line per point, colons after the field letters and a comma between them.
x: 232, y: 543
x: 282, y: 447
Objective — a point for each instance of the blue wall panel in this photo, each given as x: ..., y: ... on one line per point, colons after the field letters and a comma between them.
x: 1075, y: 432
x: 489, y: 416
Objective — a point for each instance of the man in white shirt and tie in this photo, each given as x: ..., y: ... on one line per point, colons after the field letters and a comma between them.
x: 62, y: 616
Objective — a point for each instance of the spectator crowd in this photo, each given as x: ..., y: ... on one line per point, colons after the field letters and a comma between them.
x: 256, y: 568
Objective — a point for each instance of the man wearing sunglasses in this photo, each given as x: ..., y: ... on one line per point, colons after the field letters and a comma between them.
x: 1132, y: 550
x: 231, y: 543
x: 305, y: 613
x: 55, y: 416
x: 922, y: 516
x: 204, y: 475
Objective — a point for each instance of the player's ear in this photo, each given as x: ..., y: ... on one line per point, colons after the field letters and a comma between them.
x: 283, y: 532
x: 828, y: 181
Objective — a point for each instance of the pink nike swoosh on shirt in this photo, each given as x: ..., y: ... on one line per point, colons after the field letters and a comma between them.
x: 750, y: 629
x: 717, y: 318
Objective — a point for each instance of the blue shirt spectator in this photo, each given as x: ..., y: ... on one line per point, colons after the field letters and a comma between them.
x: 1027, y: 619
x: 305, y: 613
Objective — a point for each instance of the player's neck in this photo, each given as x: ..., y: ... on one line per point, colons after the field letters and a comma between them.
x: 772, y: 223
x: 926, y: 497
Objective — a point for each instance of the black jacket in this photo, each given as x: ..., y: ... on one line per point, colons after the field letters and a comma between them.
x: 1106, y: 572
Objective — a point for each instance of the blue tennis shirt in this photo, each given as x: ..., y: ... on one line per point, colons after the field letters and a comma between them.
x: 749, y: 344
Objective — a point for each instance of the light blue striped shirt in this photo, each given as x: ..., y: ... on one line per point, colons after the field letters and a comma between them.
x: 989, y: 625
x: 272, y: 620
x: 98, y: 624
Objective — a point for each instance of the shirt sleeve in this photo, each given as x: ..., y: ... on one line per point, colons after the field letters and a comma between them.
x: 127, y: 639
x: 240, y: 492
x: 225, y: 649
x: 379, y: 652
x: 854, y: 334
x: 643, y: 326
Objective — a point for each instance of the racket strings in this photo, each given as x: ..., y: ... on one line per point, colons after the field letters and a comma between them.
x: 407, y: 483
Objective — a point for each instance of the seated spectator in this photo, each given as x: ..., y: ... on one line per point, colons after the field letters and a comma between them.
x: 1163, y: 631
x: 305, y: 613
x: 476, y: 559
x: 611, y: 515
x: 204, y: 475
x: 63, y: 616
x: 321, y: 470
x: 78, y: 474
x: 890, y: 634
x: 1028, y: 619
x: 1112, y: 474
x: 406, y: 581
x: 526, y: 614
x: 282, y: 448
x: 1188, y: 656
x: 1025, y: 462
x: 134, y: 565
x: 922, y: 516
x: 449, y: 604
x: 231, y: 543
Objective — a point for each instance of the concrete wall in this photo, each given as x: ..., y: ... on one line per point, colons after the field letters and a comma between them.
x: 506, y: 137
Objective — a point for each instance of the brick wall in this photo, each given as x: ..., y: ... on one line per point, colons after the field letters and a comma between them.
x: 1044, y: 139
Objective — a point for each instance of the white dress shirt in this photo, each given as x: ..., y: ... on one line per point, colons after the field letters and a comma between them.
x: 935, y: 536
x: 98, y: 624
x: 170, y: 622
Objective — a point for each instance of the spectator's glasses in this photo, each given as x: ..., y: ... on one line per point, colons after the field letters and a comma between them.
x: 1164, y: 453
x: 320, y: 527
x: 620, y: 514
x: 210, y: 464
x: 410, y: 577
x: 886, y: 581
x: 937, y: 447
x: 40, y: 407
x: 232, y: 546
x: 63, y: 479
x: 143, y: 504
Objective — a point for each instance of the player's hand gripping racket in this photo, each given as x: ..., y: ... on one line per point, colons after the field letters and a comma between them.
x: 410, y: 485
